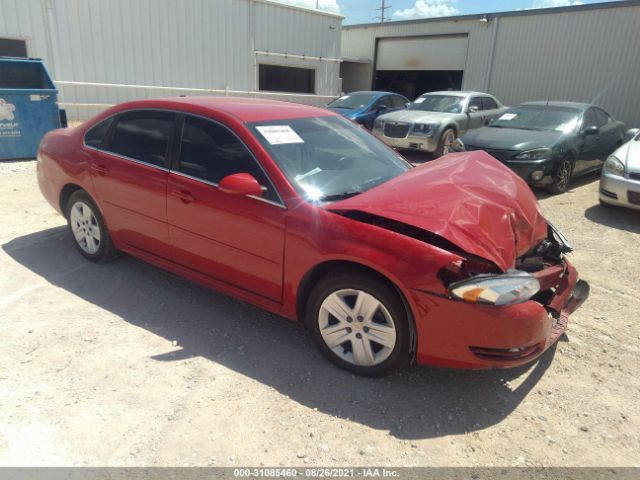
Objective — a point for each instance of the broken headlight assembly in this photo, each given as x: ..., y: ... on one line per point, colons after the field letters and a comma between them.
x: 509, y: 288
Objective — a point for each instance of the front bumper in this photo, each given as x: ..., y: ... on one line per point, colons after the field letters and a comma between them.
x: 620, y: 191
x: 458, y: 334
x: 420, y: 143
x: 538, y: 173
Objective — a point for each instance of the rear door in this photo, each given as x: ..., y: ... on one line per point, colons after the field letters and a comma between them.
x: 235, y: 239
x: 130, y: 173
x: 609, y: 133
x: 590, y: 146
x: 491, y: 109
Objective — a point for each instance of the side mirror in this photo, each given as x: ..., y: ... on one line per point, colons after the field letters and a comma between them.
x: 473, y: 109
x: 590, y: 130
x: 406, y: 105
x: 632, y: 132
x: 382, y: 108
x: 240, y: 184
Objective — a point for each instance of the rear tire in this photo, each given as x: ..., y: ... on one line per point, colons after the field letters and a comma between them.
x: 88, y: 229
x: 444, y: 145
x: 562, y: 176
x: 359, y: 323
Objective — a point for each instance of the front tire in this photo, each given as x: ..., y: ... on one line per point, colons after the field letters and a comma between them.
x: 562, y: 177
x: 88, y: 229
x: 444, y: 145
x: 359, y: 323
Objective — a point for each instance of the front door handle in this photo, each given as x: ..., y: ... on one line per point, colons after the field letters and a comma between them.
x: 183, y: 195
x: 99, y: 169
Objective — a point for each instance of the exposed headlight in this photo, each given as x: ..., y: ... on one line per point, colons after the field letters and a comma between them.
x: 509, y: 288
x: 378, y: 125
x: 536, y: 154
x: 613, y: 166
x: 422, y: 129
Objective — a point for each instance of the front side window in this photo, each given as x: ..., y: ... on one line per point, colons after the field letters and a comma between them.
x: 475, y: 102
x: 210, y: 152
x: 438, y: 103
x: 143, y: 135
x: 95, y: 136
x: 399, y: 102
x: 603, y: 117
x: 590, y: 119
x: 328, y: 158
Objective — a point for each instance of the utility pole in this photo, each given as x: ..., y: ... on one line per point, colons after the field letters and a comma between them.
x: 382, y: 9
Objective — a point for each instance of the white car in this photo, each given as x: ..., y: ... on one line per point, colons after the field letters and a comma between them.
x: 620, y: 179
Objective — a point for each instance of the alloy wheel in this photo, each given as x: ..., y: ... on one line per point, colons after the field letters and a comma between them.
x: 563, y: 176
x: 357, y: 327
x: 85, y: 228
x: 447, y: 140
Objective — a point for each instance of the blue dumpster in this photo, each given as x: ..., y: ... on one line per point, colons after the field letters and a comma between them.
x: 28, y: 106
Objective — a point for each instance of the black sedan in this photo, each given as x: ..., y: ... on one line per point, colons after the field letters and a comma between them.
x: 549, y: 143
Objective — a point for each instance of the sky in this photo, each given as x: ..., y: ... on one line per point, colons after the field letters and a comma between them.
x: 364, y: 11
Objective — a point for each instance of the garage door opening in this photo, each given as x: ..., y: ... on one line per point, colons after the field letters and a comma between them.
x: 413, y: 83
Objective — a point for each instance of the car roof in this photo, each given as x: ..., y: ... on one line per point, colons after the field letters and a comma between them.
x: 458, y: 93
x: 577, y: 105
x: 244, y: 109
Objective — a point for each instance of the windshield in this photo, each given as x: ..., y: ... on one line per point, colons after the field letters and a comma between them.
x: 353, y: 101
x: 438, y: 103
x: 539, y: 117
x: 328, y: 158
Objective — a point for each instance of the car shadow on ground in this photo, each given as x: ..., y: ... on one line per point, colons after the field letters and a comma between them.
x: 615, y: 217
x: 581, y: 181
x: 419, y: 403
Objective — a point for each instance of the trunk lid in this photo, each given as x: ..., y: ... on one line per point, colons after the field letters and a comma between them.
x: 468, y: 198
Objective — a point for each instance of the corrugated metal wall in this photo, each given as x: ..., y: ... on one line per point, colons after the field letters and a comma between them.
x: 201, y: 44
x: 581, y: 54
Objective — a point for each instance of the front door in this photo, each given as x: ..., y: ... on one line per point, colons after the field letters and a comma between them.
x: 130, y: 178
x: 475, y: 113
x: 590, y: 146
x: 235, y: 239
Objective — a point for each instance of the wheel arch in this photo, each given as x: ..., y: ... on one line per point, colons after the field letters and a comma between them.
x: 65, y: 195
x: 330, y: 266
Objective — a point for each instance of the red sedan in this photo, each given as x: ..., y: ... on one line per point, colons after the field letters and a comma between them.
x: 301, y: 212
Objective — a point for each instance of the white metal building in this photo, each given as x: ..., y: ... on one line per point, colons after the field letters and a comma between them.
x: 585, y: 53
x: 180, y: 47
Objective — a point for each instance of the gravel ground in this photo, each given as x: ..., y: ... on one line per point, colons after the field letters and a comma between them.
x: 124, y: 364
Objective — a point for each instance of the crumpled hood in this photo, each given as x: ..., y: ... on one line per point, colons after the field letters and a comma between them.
x: 411, y: 116
x: 468, y: 198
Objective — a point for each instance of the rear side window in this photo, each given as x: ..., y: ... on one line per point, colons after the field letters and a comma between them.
x: 143, y: 136
x: 96, y: 134
x: 603, y: 117
x: 489, y: 103
x: 210, y: 152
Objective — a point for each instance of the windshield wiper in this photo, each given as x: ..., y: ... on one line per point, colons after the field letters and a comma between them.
x: 339, y: 196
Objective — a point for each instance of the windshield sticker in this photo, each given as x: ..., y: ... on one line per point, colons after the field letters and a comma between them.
x: 419, y: 100
x: 279, y: 134
x: 508, y: 116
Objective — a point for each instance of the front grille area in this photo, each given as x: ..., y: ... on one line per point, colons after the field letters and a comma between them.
x: 396, y: 129
x: 501, y: 155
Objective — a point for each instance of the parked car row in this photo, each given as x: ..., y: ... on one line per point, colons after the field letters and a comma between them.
x: 546, y: 143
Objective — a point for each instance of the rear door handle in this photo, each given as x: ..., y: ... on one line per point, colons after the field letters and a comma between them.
x: 183, y: 195
x: 99, y: 169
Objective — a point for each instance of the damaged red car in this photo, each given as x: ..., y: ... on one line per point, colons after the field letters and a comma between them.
x: 301, y: 212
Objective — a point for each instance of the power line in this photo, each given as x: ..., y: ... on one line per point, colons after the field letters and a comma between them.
x: 382, y: 9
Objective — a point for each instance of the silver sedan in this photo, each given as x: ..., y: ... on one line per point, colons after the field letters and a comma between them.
x: 620, y: 178
x: 433, y: 120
